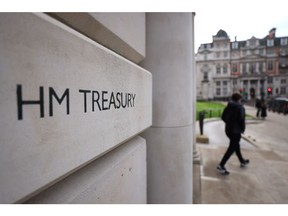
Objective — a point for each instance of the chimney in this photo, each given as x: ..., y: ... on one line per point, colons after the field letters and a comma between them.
x: 272, y: 33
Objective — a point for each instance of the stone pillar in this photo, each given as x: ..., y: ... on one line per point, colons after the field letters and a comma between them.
x: 169, y: 50
x: 196, y: 156
x: 248, y: 91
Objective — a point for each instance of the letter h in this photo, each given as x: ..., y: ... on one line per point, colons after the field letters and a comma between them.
x: 21, y: 102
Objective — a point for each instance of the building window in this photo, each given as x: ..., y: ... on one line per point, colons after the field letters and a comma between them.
x: 234, y: 67
x: 282, y: 90
x: 225, y: 91
x: 270, y: 80
x: 261, y: 52
x: 234, y: 54
x: 252, y: 68
x: 234, y: 45
x: 218, y: 91
x: 283, y: 81
x: 205, y: 75
x: 218, y: 69
x: 284, y: 41
x: 260, y: 67
x: 234, y: 81
x: 283, y: 52
x: 218, y: 83
x: 218, y: 54
x: 244, y: 52
x: 225, y: 69
x: 270, y: 66
x: 205, y: 57
x: 225, y: 54
x: 224, y: 83
x: 270, y: 51
x: 244, y: 69
x: 270, y: 42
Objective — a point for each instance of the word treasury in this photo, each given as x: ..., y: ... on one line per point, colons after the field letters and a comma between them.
x: 92, y: 100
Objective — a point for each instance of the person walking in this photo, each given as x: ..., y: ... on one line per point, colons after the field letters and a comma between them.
x: 258, y: 107
x: 234, y: 118
x: 263, y: 109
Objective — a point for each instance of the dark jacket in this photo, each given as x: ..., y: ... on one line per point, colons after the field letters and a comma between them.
x: 258, y: 104
x: 234, y: 118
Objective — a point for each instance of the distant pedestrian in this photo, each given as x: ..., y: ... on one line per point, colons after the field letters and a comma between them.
x: 263, y: 109
x: 234, y: 118
x: 258, y: 106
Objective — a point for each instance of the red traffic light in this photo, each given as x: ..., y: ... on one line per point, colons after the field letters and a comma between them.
x: 269, y: 89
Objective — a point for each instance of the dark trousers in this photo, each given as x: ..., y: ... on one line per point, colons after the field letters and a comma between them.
x: 234, y: 146
x: 258, y: 112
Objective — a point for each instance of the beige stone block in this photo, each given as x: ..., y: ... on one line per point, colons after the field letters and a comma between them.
x: 117, y: 177
x: 73, y: 118
x: 124, y: 33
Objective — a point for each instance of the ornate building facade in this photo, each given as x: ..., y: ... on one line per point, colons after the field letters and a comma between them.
x: 258, y: 68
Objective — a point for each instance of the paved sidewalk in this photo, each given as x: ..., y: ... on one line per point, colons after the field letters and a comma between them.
x: 264, y: 181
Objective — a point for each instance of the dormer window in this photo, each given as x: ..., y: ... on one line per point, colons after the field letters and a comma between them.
x: 270, y: 42
x: 284, y: 41
x: 235, y: 45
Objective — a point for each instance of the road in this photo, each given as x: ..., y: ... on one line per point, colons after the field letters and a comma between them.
x: 271, y: 133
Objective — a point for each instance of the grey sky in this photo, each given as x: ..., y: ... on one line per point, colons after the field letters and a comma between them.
x: 244, y: 19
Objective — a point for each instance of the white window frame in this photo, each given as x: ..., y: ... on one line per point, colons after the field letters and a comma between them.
x: 284, y: 41
x: 225, y: 91
x: 270, y: 66
x: 218, y: 69
x: 234, y: 45
x: 270, y: 42
x: 218, y: 91
x: 283, y: 90
x: 234, y: 67
x: 225, y: 68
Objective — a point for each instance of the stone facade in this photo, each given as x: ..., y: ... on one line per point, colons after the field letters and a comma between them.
x: 250, y: 66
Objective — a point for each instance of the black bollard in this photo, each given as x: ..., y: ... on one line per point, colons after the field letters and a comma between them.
x: 201, y: 121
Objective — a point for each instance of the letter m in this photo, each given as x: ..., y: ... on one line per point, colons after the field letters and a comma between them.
x: 52, y: 94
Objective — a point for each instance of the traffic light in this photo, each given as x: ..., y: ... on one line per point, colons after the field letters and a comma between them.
x: 269, y: 90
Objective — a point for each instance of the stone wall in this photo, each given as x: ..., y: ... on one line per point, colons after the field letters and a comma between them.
x: 66, y: 101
